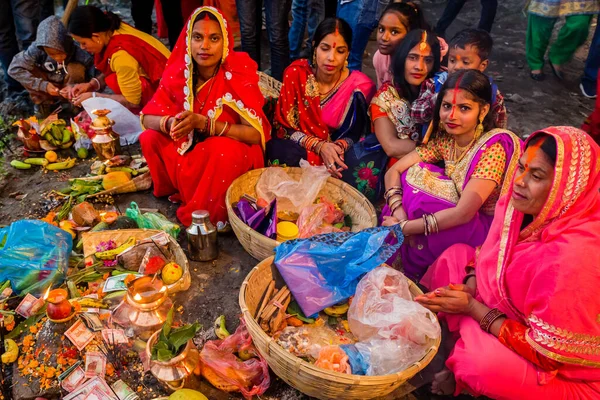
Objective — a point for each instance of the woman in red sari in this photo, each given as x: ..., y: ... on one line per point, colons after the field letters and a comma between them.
x: 526, y: 316
x: 205, y: 125
x: 132, y: 62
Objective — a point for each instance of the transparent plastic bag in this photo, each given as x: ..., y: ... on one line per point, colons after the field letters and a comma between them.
x: 251, y: 376
x: 152, y: 220
x: 386, y: 357
x: 383, y: 309
x: 34, y: 255
x: 308, y: 340
x: 292, y: 195
x: 319, y: 218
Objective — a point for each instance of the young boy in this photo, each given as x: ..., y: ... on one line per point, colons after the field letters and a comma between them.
x: 50, y: 64
x: 468, y: 49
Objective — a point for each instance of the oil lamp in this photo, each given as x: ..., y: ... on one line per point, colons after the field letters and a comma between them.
x: 106, y: 142
x: 59, y: 308
x: 145, y: 306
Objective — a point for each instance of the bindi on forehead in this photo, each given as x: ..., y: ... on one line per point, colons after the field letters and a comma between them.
x: 454, y: 95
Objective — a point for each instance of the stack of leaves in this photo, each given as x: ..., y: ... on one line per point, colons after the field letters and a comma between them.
x: 172, y: 341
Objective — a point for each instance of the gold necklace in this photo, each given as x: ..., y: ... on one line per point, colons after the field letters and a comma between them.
x: 323, y: 95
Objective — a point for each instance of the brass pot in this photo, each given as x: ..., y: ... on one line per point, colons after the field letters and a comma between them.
x: 180, y: 371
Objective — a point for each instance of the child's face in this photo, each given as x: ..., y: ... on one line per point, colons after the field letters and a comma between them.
x: 467, y: 58
x: 390, y: 33
x: 56, y: 55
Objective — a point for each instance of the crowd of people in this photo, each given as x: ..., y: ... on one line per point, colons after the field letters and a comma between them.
x: 501, y: 232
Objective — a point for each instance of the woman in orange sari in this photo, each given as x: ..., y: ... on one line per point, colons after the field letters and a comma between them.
x: 205, y: 125
x: 526, y: 313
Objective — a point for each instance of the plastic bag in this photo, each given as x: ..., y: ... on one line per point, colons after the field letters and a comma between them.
x: 319, y: 218
x: 386, y: 357
x: 307, y: 341
x: 127, y: 124
x: 152, y: 220
x: 292, y: 195
x: 251, y: 376
x: 34, y: 255
x: 358, y: 365
x: 383, y: 309
x: 263, y: 220
x: 324, y: 270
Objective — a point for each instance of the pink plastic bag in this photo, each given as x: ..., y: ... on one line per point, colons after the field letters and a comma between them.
x: 251, y: 376
x: 319, y: 218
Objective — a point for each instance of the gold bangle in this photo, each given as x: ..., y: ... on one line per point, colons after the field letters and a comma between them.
x: 163, y: 124
x: 402, y: 225
x: 142, y: 121
x: 212, y: 127
x: 224, y: 129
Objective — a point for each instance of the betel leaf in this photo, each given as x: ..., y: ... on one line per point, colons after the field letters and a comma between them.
x: 164, y: 355
x: 295, y: 311
x: 166, y: 330
x: 180, y: 336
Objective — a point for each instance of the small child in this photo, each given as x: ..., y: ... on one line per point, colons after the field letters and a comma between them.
x: 50, y: 64
x: 468, y: 49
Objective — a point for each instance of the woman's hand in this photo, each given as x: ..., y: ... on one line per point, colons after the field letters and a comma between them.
x: 81, y: 88
x: 389, y: 220
x: 184, y: 123
x: 77, y: 100
x: 67, y: 92
x: 333, y: 157
x: 400, y: 214
x: 453, y: 299
x: 51, y: 89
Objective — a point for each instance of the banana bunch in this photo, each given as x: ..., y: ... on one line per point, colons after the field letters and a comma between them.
x: 57, y: 134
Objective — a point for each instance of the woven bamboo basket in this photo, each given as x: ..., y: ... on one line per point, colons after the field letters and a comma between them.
x: 352, y: 202
x: 269, y: 87
x: 137, y: 184
x: 304, y: 376
x: 92, y: 239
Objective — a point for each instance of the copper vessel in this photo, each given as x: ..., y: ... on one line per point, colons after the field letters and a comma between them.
x: 144, y: 308
x: 106, y: 142
x: 180, y: 371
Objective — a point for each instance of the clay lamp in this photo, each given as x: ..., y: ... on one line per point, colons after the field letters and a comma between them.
x: 59, y: 308
x: 145, y: 306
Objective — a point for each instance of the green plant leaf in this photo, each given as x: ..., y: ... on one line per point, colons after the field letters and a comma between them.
x: 294, y: 310
x: 180, y: 336
x: 166, y: 330
x: 164, y: 355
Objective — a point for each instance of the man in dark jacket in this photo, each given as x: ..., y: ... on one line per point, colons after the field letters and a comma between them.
x: 51, y: 63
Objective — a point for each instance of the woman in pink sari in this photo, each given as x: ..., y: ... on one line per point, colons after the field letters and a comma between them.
x: 526, y: 316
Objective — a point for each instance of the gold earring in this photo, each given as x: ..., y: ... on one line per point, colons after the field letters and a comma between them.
x: 346, y: 64
x: 478, y: 130
x: 314, y: 60
x: 441, y: 127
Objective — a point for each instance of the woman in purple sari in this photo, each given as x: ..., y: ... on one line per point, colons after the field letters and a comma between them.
x: 437, y: 207
x: 322, y: 117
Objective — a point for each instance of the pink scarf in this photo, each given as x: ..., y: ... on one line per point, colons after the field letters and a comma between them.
x: 547, y: 275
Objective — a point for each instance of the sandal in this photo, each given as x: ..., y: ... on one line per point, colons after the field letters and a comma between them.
x: 556, y: 72
x: 537, y: 77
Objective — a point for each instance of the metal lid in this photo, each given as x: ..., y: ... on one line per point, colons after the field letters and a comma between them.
x: 200, y: 216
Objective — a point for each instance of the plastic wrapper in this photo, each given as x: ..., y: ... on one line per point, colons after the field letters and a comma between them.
x: 333, y: 358
x: 319, y: 218
x: 34, y: 255
x: 292, y: 195
x: 133, y: 257
x: 153, y: 262
x: 308, y: 340
x: 263, y: 220
x: 386, y: 357
x: 152, y: 220
x: 324, y: 270
x: 251, y: 376
x: 383, y: 309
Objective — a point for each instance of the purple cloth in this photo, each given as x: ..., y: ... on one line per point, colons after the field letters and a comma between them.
x: 420, y: 251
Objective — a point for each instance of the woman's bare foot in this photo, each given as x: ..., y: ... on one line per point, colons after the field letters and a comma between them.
x: 443, y: 383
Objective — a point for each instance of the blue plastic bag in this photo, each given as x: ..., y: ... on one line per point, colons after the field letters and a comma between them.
x: 324, y: 270
x: 33, y: 255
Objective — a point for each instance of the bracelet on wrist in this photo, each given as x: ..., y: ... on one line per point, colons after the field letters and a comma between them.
x: 486, y: 322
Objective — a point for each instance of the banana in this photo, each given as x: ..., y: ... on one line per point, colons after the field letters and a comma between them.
x: 66, y: 136
x: 36, y: 161
x: 112, y: 254
x: 19, y: 164
x: 338, y: 310
x: 87, y: 302
x: 220, y: 328
x: 12, y: 351
x: 132, y: 171
x: 56, y: 132
x: 69, y: 163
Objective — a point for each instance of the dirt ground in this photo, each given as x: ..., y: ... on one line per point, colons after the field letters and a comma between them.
x: 531, y: 105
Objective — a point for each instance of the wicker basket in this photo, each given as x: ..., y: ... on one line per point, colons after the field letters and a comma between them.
x: 137, y: 184
x: 353, y: 203
x: 92, y: 239
x: 307, y: 378
x: 269, y: 87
